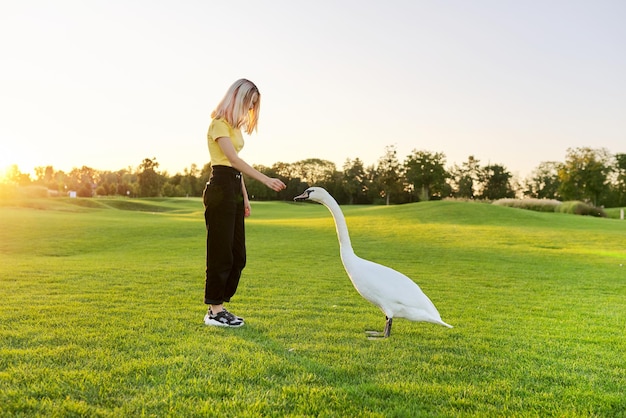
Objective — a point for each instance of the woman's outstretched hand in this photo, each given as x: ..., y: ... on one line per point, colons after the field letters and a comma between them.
x: 275, y: 184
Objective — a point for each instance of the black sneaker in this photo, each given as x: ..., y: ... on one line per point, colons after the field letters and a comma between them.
x: 222, y: 319
x: 226, y: 310
x: 236, y: 316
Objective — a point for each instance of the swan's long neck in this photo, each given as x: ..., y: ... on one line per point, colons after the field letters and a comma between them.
x: 345, y: 245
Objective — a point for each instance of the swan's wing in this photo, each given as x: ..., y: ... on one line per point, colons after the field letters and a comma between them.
x: 384, y: 286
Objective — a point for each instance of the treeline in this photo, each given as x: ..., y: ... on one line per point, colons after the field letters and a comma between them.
x: 591, y: 175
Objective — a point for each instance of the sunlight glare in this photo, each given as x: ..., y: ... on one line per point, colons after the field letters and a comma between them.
x: 11, y: 156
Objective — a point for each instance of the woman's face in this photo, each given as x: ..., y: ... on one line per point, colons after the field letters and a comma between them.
x: 253, y: 101
x: 253, y: 105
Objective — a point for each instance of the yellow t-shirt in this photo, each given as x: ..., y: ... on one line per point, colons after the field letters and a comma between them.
x: 220, y: 128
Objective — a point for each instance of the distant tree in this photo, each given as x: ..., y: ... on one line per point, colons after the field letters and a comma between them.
x: 82, y: 181
x: 314, y: 171
x: 126, y: 182
x: 259, y: 191
x: 107, y: 182
x: 150, y: 181
x: 174, y: 186
x: 205, y: 174
x: 584, y: 175
x: 61, y: 179
x: 256, y: 189
x: 190, y: 181
x: 355, y: 181
x: 426, y: 173
x: 46, y: 177
x: 301, y: 174
x: 616, y: 195
x: 619, y: 170
x: 389, y: 174
x: 466, y: 178
x: 544, y: 181
x: 287, y: 173
x: 13, y: 175
x: 371, y: 189
x: 336, y: 187
x: 283, y: 170
x: 496, y: 182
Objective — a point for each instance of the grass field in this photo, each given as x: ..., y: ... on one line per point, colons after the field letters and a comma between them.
x: 101, y: 313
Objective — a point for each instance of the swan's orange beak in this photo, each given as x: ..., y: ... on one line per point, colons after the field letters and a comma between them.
x: 303, y: 196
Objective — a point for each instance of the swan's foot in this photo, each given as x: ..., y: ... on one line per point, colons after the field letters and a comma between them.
x: 373, y: 335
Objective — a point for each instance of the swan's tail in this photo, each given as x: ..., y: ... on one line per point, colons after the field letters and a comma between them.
x: 440, y: 322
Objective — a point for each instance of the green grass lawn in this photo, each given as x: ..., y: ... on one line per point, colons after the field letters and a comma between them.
x: 101, y: 313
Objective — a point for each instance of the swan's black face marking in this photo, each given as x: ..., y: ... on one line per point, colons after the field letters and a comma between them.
x: 303, y: 196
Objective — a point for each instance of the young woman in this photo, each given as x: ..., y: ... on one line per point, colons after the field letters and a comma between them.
x: 226, y: 200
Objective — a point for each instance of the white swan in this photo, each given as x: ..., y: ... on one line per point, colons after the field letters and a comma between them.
x: 393, y: 292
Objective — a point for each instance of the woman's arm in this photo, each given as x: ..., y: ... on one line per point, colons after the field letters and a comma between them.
x: 229, y: 151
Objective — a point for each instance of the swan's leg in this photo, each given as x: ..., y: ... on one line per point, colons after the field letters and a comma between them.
x: 388, y: 326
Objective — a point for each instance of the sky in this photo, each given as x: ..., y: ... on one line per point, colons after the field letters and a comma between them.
x: 108, y: 83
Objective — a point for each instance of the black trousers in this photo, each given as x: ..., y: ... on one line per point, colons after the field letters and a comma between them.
x: 226, y: 239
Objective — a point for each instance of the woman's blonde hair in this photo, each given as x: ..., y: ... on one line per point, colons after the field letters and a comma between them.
x: 240, y: 106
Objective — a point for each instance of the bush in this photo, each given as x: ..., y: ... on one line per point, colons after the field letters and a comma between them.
x: 34, y: 191
x: 12, y: 191
x: 539, y: 205
x: 577, y: 207
x: 7, y: 191
x: 574, y: 207
x: 614, y: 213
